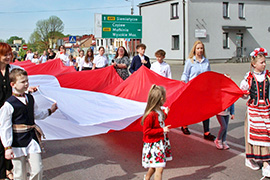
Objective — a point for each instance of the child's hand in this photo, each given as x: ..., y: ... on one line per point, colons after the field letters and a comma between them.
x: 9, y: 154
x: 232, y: 117
x: 245, y: 94
x: 54, y: 107
x: 144, y: 61
x: 166, y: 128
x: 33, y: 89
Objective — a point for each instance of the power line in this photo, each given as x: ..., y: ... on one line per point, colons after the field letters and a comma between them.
x: 61, y: 10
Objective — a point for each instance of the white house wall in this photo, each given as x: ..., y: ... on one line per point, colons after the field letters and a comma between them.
x: 206, y: 14
x: 209, y: 13
x: 259, y: 17
x: 158, y: 29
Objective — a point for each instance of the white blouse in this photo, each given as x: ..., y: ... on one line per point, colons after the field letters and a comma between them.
x: 259, y: 76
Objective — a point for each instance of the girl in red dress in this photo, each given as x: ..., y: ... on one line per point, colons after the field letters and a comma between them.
x: 156, y: 148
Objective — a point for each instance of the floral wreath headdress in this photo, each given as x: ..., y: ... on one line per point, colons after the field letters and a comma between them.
x: 258, y: 51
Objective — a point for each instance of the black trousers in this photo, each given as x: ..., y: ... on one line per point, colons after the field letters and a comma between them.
x: 4, y: 163
x: 206, y: 124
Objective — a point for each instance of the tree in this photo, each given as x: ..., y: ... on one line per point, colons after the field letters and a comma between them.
x: 12, y: 38
x: 35, y: 43
x: 22, y: 53
x: 46, y: 33
x: 56, y: 26
x: 2, y: 40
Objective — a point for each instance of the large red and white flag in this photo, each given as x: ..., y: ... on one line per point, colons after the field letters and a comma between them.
x: 99, y: 101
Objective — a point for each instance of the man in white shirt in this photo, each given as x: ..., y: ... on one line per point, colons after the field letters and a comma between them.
x: 160, y: 67
x: 64, y: 56
x: 100, y: 61
x: 30, y: 55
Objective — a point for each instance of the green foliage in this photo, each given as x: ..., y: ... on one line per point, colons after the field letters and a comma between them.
x: 12, y: 38
x: 22, y: 53
x: 46, y: 33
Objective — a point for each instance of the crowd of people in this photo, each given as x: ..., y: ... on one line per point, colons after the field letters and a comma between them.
x: 20, y: 136
x: 121, y: 61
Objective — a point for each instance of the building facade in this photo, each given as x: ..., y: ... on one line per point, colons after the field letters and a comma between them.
x: 228, y: 28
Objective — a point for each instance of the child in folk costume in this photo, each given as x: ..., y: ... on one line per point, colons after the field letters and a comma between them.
x: 156, y: 148
x: 19, y: 133
x: 257, y: 129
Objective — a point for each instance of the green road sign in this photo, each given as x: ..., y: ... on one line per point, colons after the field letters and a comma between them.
x: 121, y: 26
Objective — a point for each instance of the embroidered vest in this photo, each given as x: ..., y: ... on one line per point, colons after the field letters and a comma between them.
x: 258, y: 90
x: 23, y: 114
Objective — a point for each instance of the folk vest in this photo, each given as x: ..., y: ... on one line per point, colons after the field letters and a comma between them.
x: 23, y: 114
x: 258, y: 90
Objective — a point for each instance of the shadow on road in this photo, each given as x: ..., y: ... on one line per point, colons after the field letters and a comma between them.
x: 118, y: 156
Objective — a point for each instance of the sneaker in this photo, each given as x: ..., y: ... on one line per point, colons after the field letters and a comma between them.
x: 218, y: 144
x: 225, y: 145
x: 266, y: 171
x: 185, y: 131
x: 252, y: 164
x: 209, y: 137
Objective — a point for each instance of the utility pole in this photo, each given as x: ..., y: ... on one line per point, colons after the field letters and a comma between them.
x: 132, y: 13
x: 132, y: 6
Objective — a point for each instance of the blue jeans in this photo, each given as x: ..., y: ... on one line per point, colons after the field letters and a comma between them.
x: 223, y: 121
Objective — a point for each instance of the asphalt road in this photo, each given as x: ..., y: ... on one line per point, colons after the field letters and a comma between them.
x: 117, y: 156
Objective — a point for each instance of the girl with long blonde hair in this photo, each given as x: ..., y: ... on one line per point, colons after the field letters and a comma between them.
x: 156, y: 147
x: 196, y: 64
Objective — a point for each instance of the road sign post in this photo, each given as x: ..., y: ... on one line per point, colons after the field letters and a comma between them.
x: 72, y: 39
x: 121, y: 26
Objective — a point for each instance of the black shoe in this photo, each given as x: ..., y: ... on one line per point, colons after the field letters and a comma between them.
x: 185, y: 131
x: 209, y: 137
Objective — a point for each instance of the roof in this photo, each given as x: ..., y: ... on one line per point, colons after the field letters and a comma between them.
x: 84, y: 37
x: 80, y: 39
x: 148, y: 3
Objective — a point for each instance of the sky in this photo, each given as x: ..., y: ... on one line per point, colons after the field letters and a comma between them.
x: 19, y: 17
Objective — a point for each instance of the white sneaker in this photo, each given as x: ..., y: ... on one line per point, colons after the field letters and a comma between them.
x: 266, y: 171
x: 218, y: 144
x: 225, y: 145
x: 252, y: 164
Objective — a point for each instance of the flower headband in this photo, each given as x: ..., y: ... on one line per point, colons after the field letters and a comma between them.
x: 258, y: 51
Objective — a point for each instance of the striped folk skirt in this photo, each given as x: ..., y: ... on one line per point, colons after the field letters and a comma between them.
x: 257, y: 132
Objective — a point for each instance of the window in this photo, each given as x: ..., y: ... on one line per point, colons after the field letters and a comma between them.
x: 225, y: 10
x: 174, y: 11
x: 225, y: 40
x: 241, y: 11
x: 175, y: 42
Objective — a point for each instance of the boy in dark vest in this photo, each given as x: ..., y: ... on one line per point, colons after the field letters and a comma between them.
x: 19, y: 133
